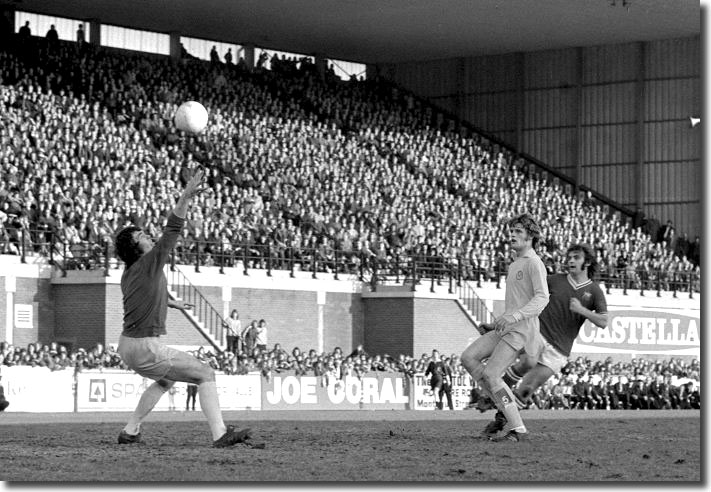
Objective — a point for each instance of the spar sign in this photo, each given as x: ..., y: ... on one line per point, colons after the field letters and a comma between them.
x: 641, y: 332
x: 379, y: 391
x: 117, y: 390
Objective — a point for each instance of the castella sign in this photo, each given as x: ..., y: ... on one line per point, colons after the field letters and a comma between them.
x: 641, y: 332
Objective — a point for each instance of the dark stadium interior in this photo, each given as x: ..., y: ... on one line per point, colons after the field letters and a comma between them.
x: 372, y: 31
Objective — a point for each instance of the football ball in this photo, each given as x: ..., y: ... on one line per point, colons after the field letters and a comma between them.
x: 191, y: 117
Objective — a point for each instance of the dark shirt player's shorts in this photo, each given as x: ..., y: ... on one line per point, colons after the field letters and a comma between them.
x: 550, y: 356
x: 147, y: 356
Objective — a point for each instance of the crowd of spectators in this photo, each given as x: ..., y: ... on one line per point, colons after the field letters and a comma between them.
x: 583, y: 383
x: 302, y: 168
x: 56, y: 356
x: 639, y: 384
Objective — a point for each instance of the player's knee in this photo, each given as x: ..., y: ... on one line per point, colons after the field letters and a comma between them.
x: 469, y: 362
x: 165, y: 384
x: 489, y: 376
x: 207, y: 374
x: 476, y: 369
x: 522, y: 367
x: 524, y: 391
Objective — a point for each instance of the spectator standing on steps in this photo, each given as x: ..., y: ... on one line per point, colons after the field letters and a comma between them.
x: 261, y: 338
x: 233, y: 325
x: 249, y: 338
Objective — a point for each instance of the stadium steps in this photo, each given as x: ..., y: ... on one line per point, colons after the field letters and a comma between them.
x: 199, y: 325
x: 473, y: 306
x: 203, y: 315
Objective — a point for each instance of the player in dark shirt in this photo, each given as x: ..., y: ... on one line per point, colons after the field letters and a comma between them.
x: 574, y: 297
x: 145, y: 302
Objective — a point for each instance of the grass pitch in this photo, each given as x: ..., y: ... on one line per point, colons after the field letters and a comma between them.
x: 381, y: 446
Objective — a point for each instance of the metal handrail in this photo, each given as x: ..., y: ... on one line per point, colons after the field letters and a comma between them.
x: 204, y: 311
x: 474, y: 303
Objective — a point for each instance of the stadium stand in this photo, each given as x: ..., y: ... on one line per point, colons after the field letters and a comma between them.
x: 305, y: 172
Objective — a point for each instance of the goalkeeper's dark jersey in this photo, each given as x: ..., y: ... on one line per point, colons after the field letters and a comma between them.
x: 559, y: 325
x: 145, y: 288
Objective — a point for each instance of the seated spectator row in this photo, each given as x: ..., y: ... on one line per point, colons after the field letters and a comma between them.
x: 328, y: 174
x: 640, y: 385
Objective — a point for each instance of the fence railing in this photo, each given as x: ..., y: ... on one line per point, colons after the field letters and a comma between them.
x: 376, y: 269
x: 474, y: 303
x: 204, y: 311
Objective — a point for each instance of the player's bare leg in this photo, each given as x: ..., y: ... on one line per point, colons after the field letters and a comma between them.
x: 475, y: 353
x: 512, y: 377
x: 131, y: 433
x: 533, y: 379
x: 188, y: 369
x: 502, y: 357
x: 489, y: 377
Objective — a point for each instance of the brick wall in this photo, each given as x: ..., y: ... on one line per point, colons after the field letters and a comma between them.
x: 79, y: 312
x: 90, y: 313
x: 37, y: 293
x: 291, y: 316
x: 113, y: 313
x: 343, y: 321
x: 388, y: 325
x: 44, y: 300
x: 441, y: 324
x: 86, y: 308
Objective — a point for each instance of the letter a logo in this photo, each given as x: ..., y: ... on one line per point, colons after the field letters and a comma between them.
x: 97, y: 390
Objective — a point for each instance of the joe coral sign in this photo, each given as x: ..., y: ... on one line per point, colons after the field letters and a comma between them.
x: 379, y: 391
x: 645, y: 332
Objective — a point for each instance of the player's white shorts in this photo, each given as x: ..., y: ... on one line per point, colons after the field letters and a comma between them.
x: 550, y: 357
x: 147, y: 356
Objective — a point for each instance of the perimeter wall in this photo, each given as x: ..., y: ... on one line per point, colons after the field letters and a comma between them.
x: 84, y: 308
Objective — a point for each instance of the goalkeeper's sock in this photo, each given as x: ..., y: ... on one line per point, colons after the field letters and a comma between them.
x: 148, y: 400
x: 210, y: 404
